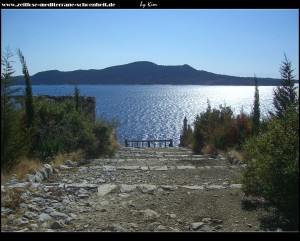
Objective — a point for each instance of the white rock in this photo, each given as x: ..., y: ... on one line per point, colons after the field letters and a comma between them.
x: 196, y: 226
x: 109, y: 168
x: 236, y: 186
x: 194, y: 187
x: 43, y: 217
x: 149, y: 215
x: 159, y: 168
x: 185, y: 167
x: 106, y: 188
x: 146, y: 188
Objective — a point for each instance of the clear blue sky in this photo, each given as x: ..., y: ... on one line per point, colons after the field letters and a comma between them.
x: 232, y: 42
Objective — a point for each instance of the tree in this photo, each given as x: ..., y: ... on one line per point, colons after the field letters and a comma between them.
x: 256, y: 110
x: 9, y: 126
x: 28, y: 91
x: 186, y: 138
x: 76, y: 96
x: 199, y: 135
x: 272, y: 170
x: 285, y: 96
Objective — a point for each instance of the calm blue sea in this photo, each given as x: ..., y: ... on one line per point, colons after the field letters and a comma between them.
x: 157, y: 111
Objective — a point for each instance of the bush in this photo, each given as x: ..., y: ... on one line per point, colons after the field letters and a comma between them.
x: 63, y: 129
x: 273, y: 165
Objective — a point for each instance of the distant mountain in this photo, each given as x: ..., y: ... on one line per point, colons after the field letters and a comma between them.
x: 143, y: 73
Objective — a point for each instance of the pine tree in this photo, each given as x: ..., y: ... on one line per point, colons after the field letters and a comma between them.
x: 76, y: 96
x: 186, y: 138
x: 28, y: 90
x: 8, y: 113
x: 285, y: 96
x: 256, y: 110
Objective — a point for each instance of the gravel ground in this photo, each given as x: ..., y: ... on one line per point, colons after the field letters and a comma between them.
x: 163, y: 190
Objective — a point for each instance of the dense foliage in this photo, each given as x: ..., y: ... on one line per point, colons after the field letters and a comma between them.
x: 186, y: 139
x: 273, y: 165
x: 285, y: 95
x: 61, y: 128
x: 272, y: 157
x: 271, y: 145
x: 256, y: 110
x: 12, y: 141
x: 41, y: 128
x: 220, y: 129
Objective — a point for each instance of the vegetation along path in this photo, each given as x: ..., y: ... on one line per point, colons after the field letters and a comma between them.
x: 140, y: 189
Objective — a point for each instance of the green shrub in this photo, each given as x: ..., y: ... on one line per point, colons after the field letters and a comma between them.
x: 62, y: 129
x: 273, y: 165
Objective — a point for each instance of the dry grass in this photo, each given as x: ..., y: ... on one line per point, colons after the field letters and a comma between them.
x: 209, y: 149
x: 60, y: 159
x: 24, y: 166
x: 12, y: 199
x: 27, y: 166
x: 237, y: 155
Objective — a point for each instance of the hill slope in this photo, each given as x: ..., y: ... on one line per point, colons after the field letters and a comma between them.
x: 142, y: 72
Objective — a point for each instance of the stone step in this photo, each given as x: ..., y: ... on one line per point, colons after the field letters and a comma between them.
x: 110, y: 168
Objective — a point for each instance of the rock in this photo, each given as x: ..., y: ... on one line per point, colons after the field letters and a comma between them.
x: 172, y: 215
x: 18, y: 185
x: 149, y: 215
x: 218, y: 221
x: 235, y: 186
x: 64, y: 167
x: 106, y: 188
x: 6, y: 211
x: 194, y: 187
x: 37, y: 177
x: 70, y: 163
x: 21, y: 221
x: 147, y: 188
x: 215, y: 187
x: 82, y: 193
x: 57, y: 214
x: 206, y: 220
x: 116, y: 228
x: 130, y: 226
x: 205, y: 228
x: 124, y: 195
x: 43, y: 217
x: 109, y: 168
x: 169, y: 188
x: 219, y: 227
x: 196, y: 226
x: 68, y: 220
x: 185, y: 167
x: 99, y: 180
x: 2, y: 188
x: 57, y: 225
x: 153, y: 226
x: 161, y: 228
x: 127, y: 188
x: 49, y: 210
x: 29, y: 215
x: 34, y: 226
x: 249, y: 225
x: 159, y: 168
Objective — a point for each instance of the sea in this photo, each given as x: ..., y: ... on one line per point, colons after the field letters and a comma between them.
x: 157, y: 111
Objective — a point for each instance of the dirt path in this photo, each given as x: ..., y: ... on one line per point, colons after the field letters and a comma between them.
x: 141, y: 189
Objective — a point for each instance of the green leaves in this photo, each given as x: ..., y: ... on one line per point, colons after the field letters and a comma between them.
x: 274, y: 174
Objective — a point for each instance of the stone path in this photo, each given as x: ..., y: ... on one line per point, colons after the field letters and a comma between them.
x: 141, y: 189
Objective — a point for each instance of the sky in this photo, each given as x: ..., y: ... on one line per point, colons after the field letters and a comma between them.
x: 231, y: 42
